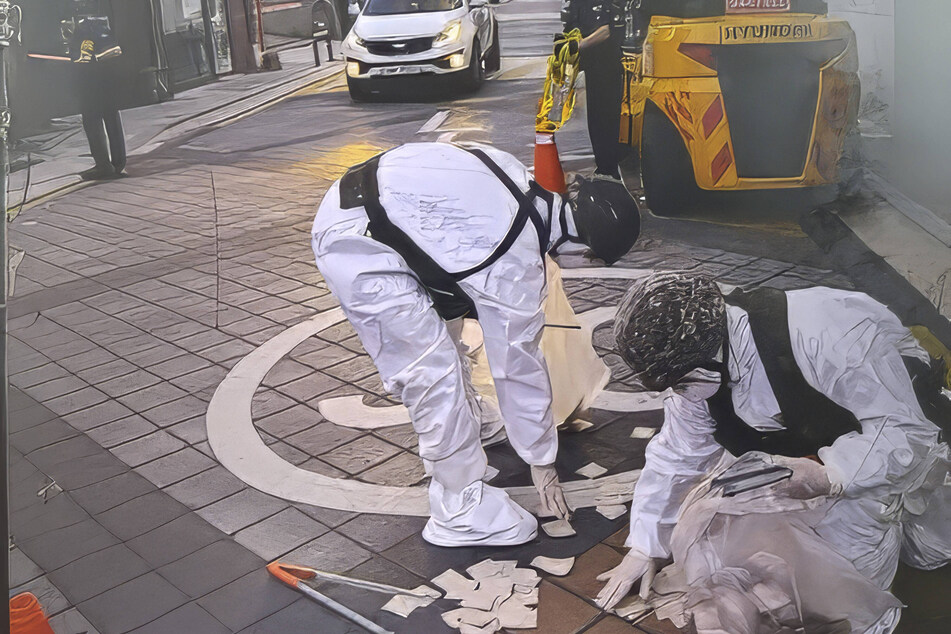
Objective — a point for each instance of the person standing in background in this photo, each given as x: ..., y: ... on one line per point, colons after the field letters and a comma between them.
x: 601, y: 23
x: 92, y: 47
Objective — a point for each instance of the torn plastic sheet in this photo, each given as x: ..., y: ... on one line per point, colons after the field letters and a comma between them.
x: 558, y: 529
x: 556, y: 567
x: 404, y: 604
x: 500, y: 595
x: 591, y: 470
x: 612, y: 511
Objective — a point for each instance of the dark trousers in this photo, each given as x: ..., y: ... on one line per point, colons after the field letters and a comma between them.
x: 106, y: 137
x: 604, y: 82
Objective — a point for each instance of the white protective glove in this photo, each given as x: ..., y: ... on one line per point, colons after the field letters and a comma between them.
x: 622, y: 577
x: 553, y: 502
x: 809, y: 479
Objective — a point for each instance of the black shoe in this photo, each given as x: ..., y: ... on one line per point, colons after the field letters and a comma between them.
x: 98, y: 173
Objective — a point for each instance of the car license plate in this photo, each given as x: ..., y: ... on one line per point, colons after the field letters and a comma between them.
x: 396, y: 70
x: 757, y: 6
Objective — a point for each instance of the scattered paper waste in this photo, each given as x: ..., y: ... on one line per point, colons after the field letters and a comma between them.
x: 490, y: 473
x: 591, y: 470
x: 499, y: 595
x: 557, y: 567
x: 404, y: 604
x: 456, y: 586
x: 633, y: 609
x: 611, y: 511
x: 610, y: 494
x: 643, y: 432
x: 558, y: 528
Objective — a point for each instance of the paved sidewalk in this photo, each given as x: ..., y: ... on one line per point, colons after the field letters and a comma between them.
x: 60, y: 154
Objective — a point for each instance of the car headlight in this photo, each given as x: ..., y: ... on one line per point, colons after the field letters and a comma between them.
x: 449, y: 34
x: 356, y: 41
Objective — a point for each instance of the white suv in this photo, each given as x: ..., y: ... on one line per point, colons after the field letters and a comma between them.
x: 394, y: 42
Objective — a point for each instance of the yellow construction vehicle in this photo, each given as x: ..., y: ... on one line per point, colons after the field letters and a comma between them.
x: 727, y: 95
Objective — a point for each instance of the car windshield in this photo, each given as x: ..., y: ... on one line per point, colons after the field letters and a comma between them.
x: 390, y: 7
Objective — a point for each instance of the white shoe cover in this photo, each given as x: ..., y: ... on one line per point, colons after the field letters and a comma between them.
x: 481, y: 515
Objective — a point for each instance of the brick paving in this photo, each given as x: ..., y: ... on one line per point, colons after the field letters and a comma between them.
x: 135, y: 299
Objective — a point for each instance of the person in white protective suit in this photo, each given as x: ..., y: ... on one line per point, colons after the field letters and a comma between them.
x: 415, y: 239
x: 826, y: 383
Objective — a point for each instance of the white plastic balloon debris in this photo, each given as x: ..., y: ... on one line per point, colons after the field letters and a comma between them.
x: 558, y: 529
x: 591, y: 470
x: 556, y: 567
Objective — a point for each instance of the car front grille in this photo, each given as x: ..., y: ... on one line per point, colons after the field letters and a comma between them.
x: 770, y: 94
x: 401, y: 47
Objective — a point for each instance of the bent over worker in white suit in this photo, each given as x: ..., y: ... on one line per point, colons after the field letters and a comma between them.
x: 419, y: 237
x: 824, y: 382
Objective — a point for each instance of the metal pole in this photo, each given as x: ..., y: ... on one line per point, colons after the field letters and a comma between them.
x: 9, y: 24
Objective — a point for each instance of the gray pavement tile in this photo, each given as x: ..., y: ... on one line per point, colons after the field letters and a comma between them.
x: 22, y: 568
x: 112, y: 369
x: 101, y: 414
x: 132, y: 604
x: 267, y: 402
x: 72, y: 622
x: 204, y: 340
x: 303, y: 615
x: 285, y: 371
x: 95, y: 573
x: 327, y: 517
x: 247, y: 326
x: 191, y: 431
x: 379, y: 532
x: 352, y: 370
x: 241, y: 509
x: 289, y: 421
x: 70, y: 348
x: 210, y: 568
x: 319, y: 466
x: 62, y: 546
x: 132, y: 382
x: 175, y: 467
x: 260, y: 337
x: 50, y: 598
x: 280, y: 534
x: 403, y: 435
x: 190, y: 619
x: 322, y: 438
x: 121, y: 431
x: 81, y: 399
x: 226, y: 351
x: 204, y: 379
x: 360, y: 454
x: 331, y: 552
x: 406, y: 469
x: 55, y: 389
x: 110, y: 493
x: 176, y: 411
x: 140, y: 515
x: 205, y: 448
x: 330, y: 354
x: 247, y: 600
x: 147, y: 448
x: 170, y: 542
x: 426, y: 560
x: 288, y: 453
x: 150, y: 397
x: 78, y: 446
x: 46, y: 372
x: 30, y: 417
x: 41, y: 435
x: 206, y: 488
x: 179, y: 366
x: 39, y: 517
x: 148, y: 357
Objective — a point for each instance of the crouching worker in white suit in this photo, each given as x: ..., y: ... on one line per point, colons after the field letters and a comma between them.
x: 824, y: 383
x: 417, y: 238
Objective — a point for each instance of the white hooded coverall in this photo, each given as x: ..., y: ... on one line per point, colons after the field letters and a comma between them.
x: 452, y: 206
x: 893, y: 499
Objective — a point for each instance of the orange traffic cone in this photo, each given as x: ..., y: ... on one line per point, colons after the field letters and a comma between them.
x: 26, y: 615
x: 548, y: 171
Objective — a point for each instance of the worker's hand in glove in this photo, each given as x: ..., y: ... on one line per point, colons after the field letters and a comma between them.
x: 698, y: 385
x: 561, y: 41
x: 546, y: 481
x: 622, y: 577
x: 809, y: 479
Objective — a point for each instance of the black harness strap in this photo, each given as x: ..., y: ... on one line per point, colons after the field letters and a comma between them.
x: 812, y: 420
x: 359, y: 188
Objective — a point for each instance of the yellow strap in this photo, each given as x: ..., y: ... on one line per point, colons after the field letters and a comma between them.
x: 560, y: 84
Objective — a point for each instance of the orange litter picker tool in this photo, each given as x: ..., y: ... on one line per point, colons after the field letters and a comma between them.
x: 295, y: 577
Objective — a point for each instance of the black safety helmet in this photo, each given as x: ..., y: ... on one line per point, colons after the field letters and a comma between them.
x: 669, y: 325
x: 607, y: 218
